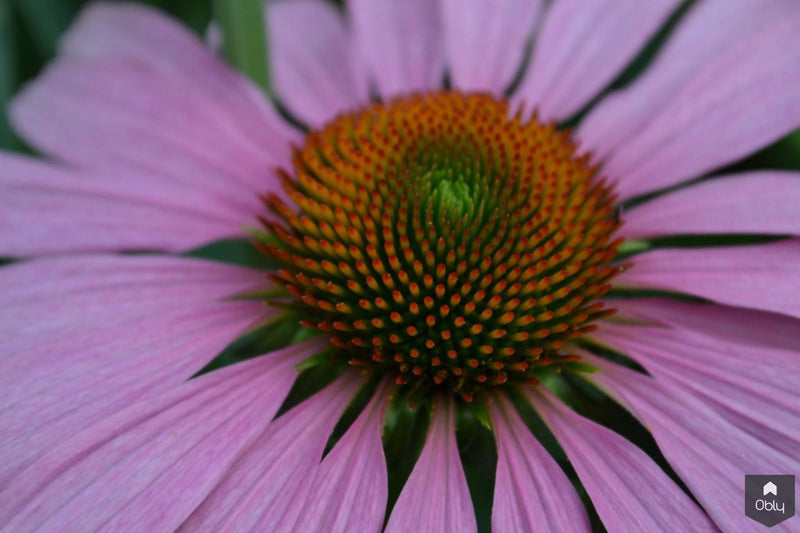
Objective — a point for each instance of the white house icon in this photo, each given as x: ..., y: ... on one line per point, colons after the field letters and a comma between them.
x: 770, y: 488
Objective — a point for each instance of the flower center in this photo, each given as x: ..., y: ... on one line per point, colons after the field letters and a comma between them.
x: 437, y: 238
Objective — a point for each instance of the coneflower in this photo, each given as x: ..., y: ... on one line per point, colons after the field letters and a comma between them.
x: 443, y: 251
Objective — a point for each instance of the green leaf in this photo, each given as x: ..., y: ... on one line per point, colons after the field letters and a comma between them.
x: 194, y: 13
x: 9, y: 71
x: 47, y: 20
x: 480, y: 411
x: 631, y: 247
x: 321, y: 358
x: 403, y: 439
x: 244, y: 39
x: 574, y: 366
x: 236, y: 251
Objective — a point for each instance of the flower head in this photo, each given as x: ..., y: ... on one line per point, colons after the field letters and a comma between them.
x: 441, y: 240
x: 464, y: 298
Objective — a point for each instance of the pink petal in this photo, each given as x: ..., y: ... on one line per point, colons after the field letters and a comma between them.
x: 763, y: 403
x: 40, y: 297
x: 485, y: 41
x: 349, y: 489
x: 629, y: 490
x: 45, y: 209
x: 436, y: 496
x: 313, y: 62
x: 707, y: 32
x: 135, y: 91
x: 258, y: 490
x: 531, y: 492
x: 709, y: 454
x: 742, y: 100
x: 84, y: 337
x: 400, y: 43
x: 758, y: 202
x: 147, y: 467
x: 759, y: 276
x: 111, y: 114
x: 582, y: 47
x: 731, y: 324
x: 143, y: 35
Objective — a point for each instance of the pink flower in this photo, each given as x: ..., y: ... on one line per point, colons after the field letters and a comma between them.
x: 155, y: 145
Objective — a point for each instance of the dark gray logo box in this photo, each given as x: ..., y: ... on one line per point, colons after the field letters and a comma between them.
x: 769, y: 509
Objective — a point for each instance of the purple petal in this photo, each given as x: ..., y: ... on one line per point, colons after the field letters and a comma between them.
x: 84, y: 337
x: 709, y: 454
x: 104, y: 115
x: 758, y: 202
x: 731, y: 324
x: 348, y: 491
x: 136, y: 91
x: 313, y: 60
x: 485, y: 41
x: 531, y: 492
x: 147, y: 467
x: 740, y: 101
x: 50, y: 210
x: 436, y: 496
x: 144, y: 36
x: 400, y: 43
x: 582, y: 46
x: 756, y: 276
x: 705, y: 34
x: 257, y: 492
x: 629, y: 490
x: 763, y: 403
